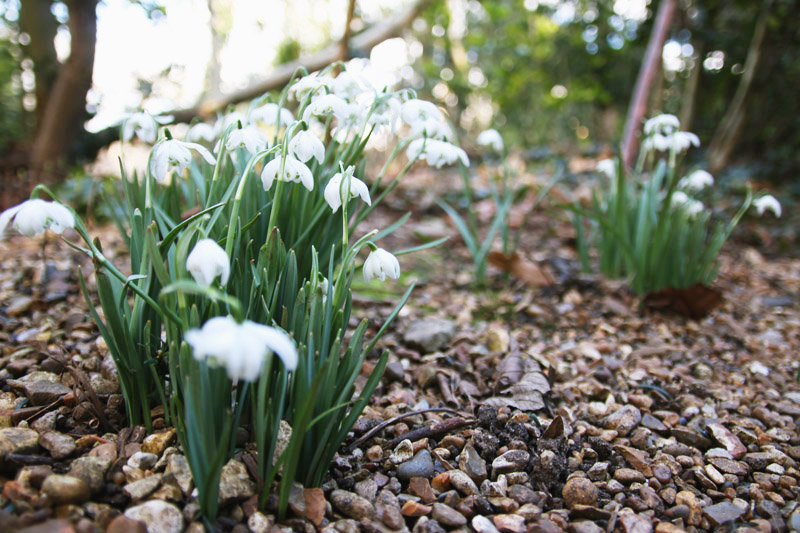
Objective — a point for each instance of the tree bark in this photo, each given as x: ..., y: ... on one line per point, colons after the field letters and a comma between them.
x: 62, y: 121
x: 690, y: 93
x: 650, y: 64
x: 344, y: 43
x: 730, y: 127
x: 38, y: 22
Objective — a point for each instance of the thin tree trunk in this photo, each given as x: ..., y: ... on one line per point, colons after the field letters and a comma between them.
x: 38, y: 22
x: 62, y: 120
x: 344, y: 43
x: 651, y: 63
x: 730, y: 127
x: 213, y: 71
x: 690, y: 93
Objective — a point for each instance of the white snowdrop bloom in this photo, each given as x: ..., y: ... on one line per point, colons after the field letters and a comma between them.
x: 206, y: 261
x: 694, y: 208
x: 337, y: 188
x: 416, y: 110
x: 293, y: 171
x: 386, y: 113
x: 325, y: 106
x: 310, y: 83
x: 696, y: 181
x: 240, y: 348
x: 380, y: 264
x: 680, y: 141
x: 492, y: 139
x: 305, y: 145
x: 656, y: 142
x: 347, y: 86
x: 269, y: 113
x: 433, y: 129
x: 680, y: 198
x: 249, y: 137
x: 202, y: 132
x: 35, y: 216
x: 767, y: 203
x: 436, y: 153
x: 607, y: 167
x: 664, y: 124
x: 174, y: 154
x: 233, y: 118
x: 143, y: 125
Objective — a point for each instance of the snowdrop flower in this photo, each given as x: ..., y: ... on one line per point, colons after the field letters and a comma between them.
x: 696, y: 181
x: 269, y: 113
x: 765, y: 203
x: 664, y: 124
x: 350, y: 116
x: 436, y: 153
x: 338, y: 187
x: 607, y: 167
x: 208, y: 260
x: 305, y: 145
x: 380, y: 264
x: 240, y: 348
x: 232, y: 118
x: 693, y: 207
x: 416, y: 110
x: 202, y: 132
x: 35, y: 216
x: 433, y: 129
x: 143, y: 125
x: 293, y: 171
x: 249, y: 137
x: 326, y: 105
x: 386, y: 112
x: 680, y: 141
x: 347, y: 86
x: 310, y: 83
x: 171, y: 153
x: 492, y: 139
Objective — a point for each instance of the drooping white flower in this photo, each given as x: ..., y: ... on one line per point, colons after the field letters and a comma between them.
x: 249, y: 137
x: 233, y: 118
x: 172, y: 153
x: 767, y: 203
x: 663, y: 124
x: 202, y: 132
x: 325, y: 106
x: 492, y: 139
x: 681, y: 200
x: 294, y: 170
x: 678, y: 141
x: 386, y: 112
x: 143, y: 125
x: 437, y: 153
x: 347, y: 86
x: 696, y: 181
x: 415, y: 110
x: 206, y: 261
x: 269, y: 113
x: 305, y: 145
x: 310, y: 83
x: 240, y: 348
x: 338, y: 186
x: 607, y: 167
x: 35, y: 216
x: 380, y: 264
x: 433, y: 129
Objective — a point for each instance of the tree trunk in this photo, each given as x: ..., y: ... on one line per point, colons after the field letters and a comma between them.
x: 651, y: 63
x: 690, y: 92
x: 730, y: 127
x: 38, y: 22
x: 62, y: 119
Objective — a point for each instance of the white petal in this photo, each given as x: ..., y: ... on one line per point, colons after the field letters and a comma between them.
x: 5, y: 218
x: 206, y: 261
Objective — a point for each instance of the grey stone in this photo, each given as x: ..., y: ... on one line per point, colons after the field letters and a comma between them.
x: 59, y: 445
x: 18, y: 440
x: 142, y: 488
x: 44, y: 392
x: 447, y: 515
x: 462, y: 482
x: 623, y: 420
x: 65, y: 489
x: 178, y: 466
x: 429, y: 335
x: 421, y: 465
x: 352, y: 505
x: 511, y: 461
x: 472, y: 464
x: 160, y: 516
x: 721, y: 513
x: 235, y: 483
x: 90, y: 469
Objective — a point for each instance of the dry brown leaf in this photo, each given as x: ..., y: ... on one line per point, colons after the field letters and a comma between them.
x: 694, y: 302
x: 521, y: 268
x: 526, y: 393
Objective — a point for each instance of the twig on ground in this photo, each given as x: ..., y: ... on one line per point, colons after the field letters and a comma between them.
x: 446, y: 426
x: 377, y: 429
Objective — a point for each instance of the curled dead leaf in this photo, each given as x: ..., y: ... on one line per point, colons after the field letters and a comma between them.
x: 694, y: 302
x: 521, y: 268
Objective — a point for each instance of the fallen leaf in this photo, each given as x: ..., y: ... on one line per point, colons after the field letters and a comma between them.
x: 694, y: 302
x: 526, y: 393
x: 521, y: 268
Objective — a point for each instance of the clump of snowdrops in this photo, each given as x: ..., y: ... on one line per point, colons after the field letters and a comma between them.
x: 244, y: 240
x: 650, y: 225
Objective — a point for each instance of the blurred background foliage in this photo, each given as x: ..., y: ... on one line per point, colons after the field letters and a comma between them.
x: 555, y: 76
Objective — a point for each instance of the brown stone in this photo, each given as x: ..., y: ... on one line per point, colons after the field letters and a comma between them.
x: 579, y: 490
x: 412, y: 508
x: 123, y: 524
x: 420, y: 486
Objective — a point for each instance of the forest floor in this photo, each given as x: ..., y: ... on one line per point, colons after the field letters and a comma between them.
x: 566, y: 407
